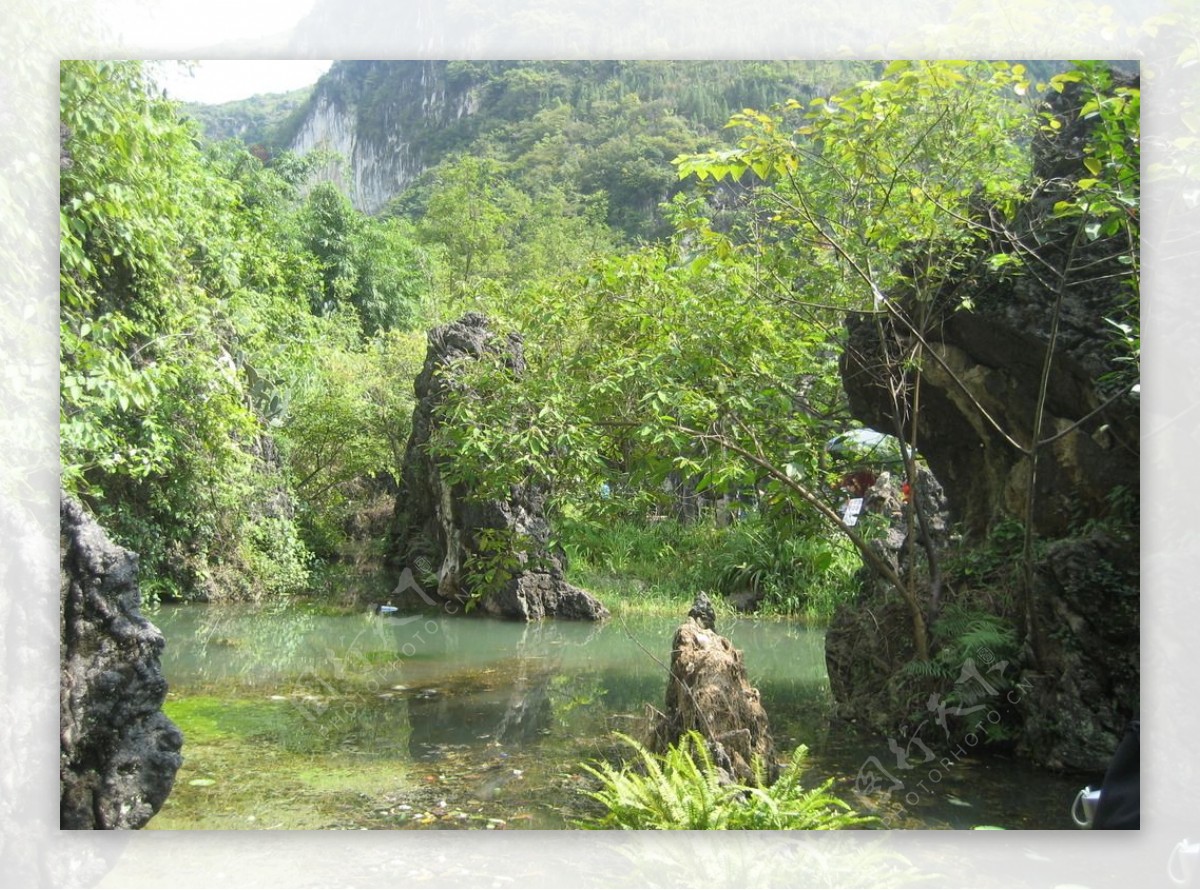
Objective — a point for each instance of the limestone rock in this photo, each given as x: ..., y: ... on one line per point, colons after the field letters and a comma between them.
x: 709, y: 692
x: 1075, y: 713
x: 440, y: 526
x: 389, y: 120
x: 702, y: 612
x: 119, y: 753
x: 532, y: 596
x: 992, y: 357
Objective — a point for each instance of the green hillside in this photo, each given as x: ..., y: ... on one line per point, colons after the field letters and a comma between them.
x: 254, y: 121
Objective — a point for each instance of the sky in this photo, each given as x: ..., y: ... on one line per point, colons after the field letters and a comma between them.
x: 149, y: 30
x: 215, y: 81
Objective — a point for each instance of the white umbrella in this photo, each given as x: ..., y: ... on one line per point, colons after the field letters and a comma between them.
x: 866, y: 445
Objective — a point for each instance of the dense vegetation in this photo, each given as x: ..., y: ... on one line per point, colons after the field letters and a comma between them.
x: 254, y: 121
x: 238, y: 342
x: 234, y: 363
x: 680, y: 246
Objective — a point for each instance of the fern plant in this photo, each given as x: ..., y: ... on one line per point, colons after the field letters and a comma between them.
x: 680, y: 789
x: 684, y: 790
x: 963, y: 633
x: 787, y: 805
x: 967, y: 637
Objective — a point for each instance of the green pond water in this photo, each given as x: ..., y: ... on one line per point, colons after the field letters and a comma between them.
x: 294, y: 718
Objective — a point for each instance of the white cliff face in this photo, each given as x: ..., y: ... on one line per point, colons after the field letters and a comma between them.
x: 325, y: 127
x: 383, y: 163
x: 330, y: 129
x: 380, y: 171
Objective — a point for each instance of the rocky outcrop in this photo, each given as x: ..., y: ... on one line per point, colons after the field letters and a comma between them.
x: 980, y: 394
x: 1076, y: 707
x: 981, y: 388
x: 869, y: 641
x: 442, y: 527
x: 709, y: 692
x: 387, y: 122
x: 119, y: 752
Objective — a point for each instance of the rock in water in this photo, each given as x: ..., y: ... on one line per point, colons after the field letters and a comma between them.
x: 119, y: 752
x: 440, y: 526
x: 702, y: 611
x: 708, y: 691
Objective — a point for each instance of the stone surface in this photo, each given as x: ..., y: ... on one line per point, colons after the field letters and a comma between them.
x: 709, y: 692
x: 1079, y: 704
x: 119, y: 753
x: 993, y: 355
x: 702, y: 612
x: 1086, y: 646
x: 440, y: 526
x: 532, y: 596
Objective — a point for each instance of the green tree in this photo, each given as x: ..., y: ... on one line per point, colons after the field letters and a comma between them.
x: 155, y: 429
x: 374, y: 265
x: 469, y: 215
x: 185, y: 332
x: 717, y: 357
x: 332, y: 229
x: 347, y: 426
x: 883, y: 198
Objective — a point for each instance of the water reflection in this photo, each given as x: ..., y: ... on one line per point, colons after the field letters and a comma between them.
x: 513, y: 708
x: 499, y: 709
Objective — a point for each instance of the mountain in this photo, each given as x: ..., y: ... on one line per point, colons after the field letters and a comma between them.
x: 607, y: 127
x: 254, y: 121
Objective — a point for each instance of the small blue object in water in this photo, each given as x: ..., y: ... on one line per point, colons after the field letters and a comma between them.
x: 386, y: 610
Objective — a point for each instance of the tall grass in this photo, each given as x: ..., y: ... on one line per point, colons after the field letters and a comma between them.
x: 794, y: 569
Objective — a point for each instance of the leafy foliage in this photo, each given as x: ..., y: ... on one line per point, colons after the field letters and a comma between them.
x: 254, y: 121
x: 154, y: 417
x: 499, y: 556
x: 202, y: 399
x: 794, y: 567
x: 683, y: 790
x: 1107, y: 201
x: 374, y: 266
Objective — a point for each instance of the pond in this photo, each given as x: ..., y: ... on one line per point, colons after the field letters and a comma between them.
x: 296, y: 718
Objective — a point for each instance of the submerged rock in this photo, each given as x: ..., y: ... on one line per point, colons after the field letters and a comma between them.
x: 441, y: 526
x: 709, y: 692
x: 119, y: 753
